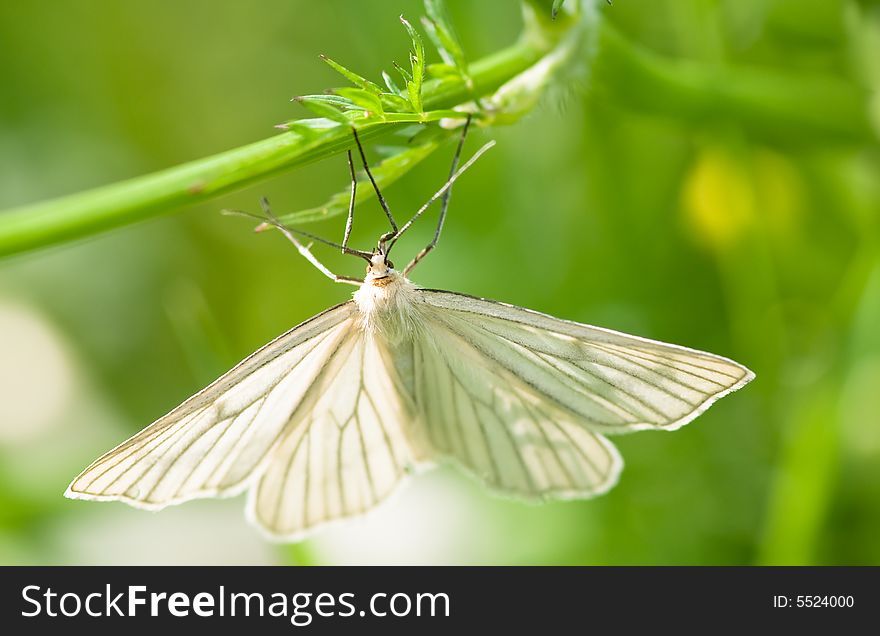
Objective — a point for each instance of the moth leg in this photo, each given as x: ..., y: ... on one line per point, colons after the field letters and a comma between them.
x: 444, y: 203
x: 305, y: 250
x: 382, y: 201
x: 350, y: 220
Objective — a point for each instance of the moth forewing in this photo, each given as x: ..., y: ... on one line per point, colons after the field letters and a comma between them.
x: 212, y: 443
x: 612, y: 381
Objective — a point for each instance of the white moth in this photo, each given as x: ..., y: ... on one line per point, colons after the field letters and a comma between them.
x: 327, y: 420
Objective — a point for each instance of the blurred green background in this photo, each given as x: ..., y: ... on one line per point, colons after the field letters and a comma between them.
x: 596, y: 208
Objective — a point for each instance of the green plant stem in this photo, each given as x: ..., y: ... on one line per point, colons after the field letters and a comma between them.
x: 769, y: 104
x: 93, y: 211
x: 86, y: 213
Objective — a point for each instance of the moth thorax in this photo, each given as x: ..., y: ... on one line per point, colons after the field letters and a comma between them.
x: 385, y: 301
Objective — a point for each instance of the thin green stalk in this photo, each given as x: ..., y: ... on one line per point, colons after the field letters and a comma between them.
x: 87, y: 213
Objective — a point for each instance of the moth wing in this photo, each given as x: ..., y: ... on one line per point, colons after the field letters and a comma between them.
x: 612, y: 382
x: 348, y: 446
x: 213, y: 443
x: 521, y: 398
x: 498, y: 428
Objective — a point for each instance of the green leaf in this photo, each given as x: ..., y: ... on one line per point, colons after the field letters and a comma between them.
x: 392, y: 86
x: 307, y: 128
x: 323, y: 107
x: 310, y: 129
x: 385, y: 173
x: 340, y: 102
x: 367, y: 100
x: 423, y: 117
x: 395, y: 103
x: 405, y: 74
x: 439, y: 71
x: 417, y: 61
x: 353, y: 77
x: 413, y: 89
x: 443, y: 36
x: 557, y: 5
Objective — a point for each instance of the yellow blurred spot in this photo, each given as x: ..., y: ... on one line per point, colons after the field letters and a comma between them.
x: 718, y: 199
x: 725, y: 196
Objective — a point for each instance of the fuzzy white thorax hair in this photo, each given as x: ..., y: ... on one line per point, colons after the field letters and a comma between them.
x: 387, y: 301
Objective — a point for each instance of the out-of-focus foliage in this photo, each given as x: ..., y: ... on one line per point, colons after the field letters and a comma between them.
x: 615, y: 207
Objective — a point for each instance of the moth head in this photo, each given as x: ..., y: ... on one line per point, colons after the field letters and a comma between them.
x: 380, y: 266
